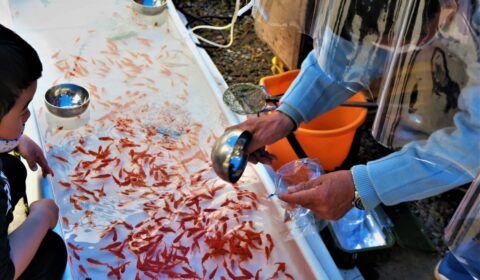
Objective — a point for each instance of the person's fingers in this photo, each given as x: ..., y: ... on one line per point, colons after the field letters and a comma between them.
x: 268, y: 155
x: 272, y: 157
x: 248, y: 125
x: 296, y: 188
x: 301, y: 197
x: 231, y: 128
x: 256, y: 158
x: 265, y: 129
x: 262, y: 156
x: 32, y: 163
x: 263, y: 132
x: 46, y: 171
x: 42, y: 161
x: 265, y: 159
x: 253, y: 158
x: 304, y: 186
x: 254, y: 145
x: 259, y: 140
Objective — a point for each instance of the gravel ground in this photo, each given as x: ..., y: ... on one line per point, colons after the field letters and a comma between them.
x: 248, y: 60
x: 435, y: 213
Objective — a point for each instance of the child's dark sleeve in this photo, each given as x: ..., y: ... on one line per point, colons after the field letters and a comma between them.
x: 7, y: 268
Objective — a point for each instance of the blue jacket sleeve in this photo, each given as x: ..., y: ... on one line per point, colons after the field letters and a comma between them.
x: 312, y: 93
x: 448, y: 158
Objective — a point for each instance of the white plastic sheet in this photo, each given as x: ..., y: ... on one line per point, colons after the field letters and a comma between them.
x: 133, y: 181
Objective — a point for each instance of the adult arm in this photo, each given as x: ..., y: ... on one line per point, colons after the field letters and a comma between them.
x: 312, y: 93
x: 448, y: 158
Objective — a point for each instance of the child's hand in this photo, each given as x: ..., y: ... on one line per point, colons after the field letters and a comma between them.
x: 33, y: 154
x: 47, y: 210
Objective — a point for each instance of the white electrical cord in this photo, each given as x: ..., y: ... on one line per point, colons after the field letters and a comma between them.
x: 246, y: 8
x: 238, y: 12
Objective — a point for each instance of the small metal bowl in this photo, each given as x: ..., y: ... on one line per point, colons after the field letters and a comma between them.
x: 67, y: 100
x: 149, y: 7
x: 228, y: 156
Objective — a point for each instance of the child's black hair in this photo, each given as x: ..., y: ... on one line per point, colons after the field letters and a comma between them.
x: 20, y: 66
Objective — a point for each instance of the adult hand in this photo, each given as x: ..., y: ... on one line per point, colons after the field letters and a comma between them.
x: 329, y: 196
x: 47, y: 210
x: 33, y: 154
x: 265, y: 129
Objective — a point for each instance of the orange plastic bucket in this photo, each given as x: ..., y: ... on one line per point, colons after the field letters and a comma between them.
x: 327, y: 137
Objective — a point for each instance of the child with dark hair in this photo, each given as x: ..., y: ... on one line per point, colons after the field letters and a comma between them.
x: 32, y: 251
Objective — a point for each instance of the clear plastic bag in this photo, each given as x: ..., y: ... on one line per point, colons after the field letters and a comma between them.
x: 300, y: 220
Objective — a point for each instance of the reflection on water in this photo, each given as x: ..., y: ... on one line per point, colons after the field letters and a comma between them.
x: 67, y: 123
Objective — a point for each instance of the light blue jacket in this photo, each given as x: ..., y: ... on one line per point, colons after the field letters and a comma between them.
x: 449, y: 158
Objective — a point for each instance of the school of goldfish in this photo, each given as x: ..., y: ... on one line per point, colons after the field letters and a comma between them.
x: 138, y: 203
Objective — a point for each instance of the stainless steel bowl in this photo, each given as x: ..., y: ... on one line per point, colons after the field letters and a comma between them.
x: 228, y: 156
x: 67, y: 100
x: 149, y: 7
